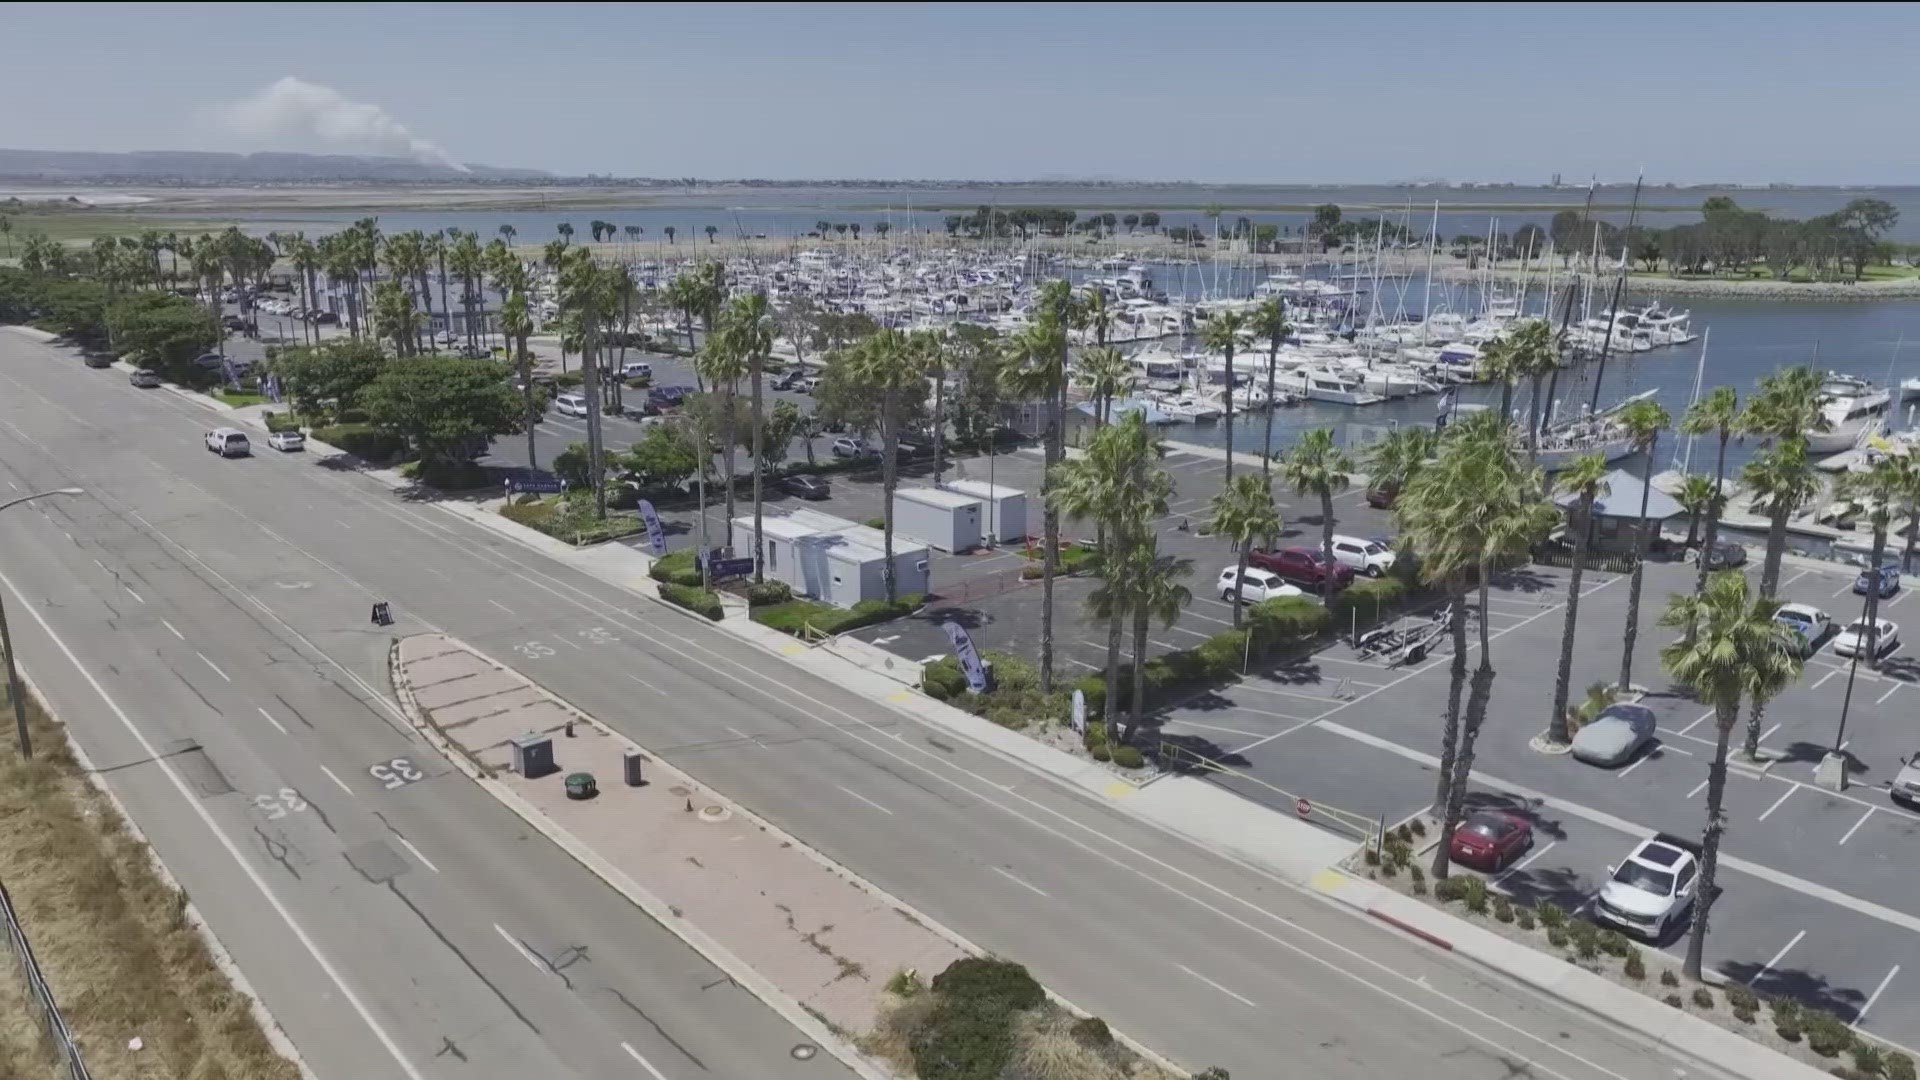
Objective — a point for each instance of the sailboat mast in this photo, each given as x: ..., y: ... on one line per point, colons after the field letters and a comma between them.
x: 1699, y: 373
x: 1426, y: 297
x: 1619, y: 288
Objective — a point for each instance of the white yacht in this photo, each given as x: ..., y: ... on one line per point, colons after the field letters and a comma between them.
x: 1324, y: 384
x: 1186, y: 408
x: 1856, y: 410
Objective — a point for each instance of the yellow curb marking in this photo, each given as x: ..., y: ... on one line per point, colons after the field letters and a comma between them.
x: 900, y: 697
x: 1328, y: 880
x: 1120, y: 789
x: 793, y: 650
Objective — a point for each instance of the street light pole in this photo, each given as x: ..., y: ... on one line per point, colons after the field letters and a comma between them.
x: 6, y: 640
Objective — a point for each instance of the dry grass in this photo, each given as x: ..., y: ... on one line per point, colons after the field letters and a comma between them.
x: 1044, y: 1047
x: 899, y: 1019
x: 112, y: 937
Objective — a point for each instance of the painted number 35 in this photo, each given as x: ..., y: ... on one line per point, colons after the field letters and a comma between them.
x: 398, y: 772
x: 280, y: 804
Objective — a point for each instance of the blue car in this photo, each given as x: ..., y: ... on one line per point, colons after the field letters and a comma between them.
x: 1885, y: 581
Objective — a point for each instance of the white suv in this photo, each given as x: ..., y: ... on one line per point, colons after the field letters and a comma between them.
x: 1365, y: 556
x: 1258, y: 585
x: 227, y: 442
x: 570, y: 405
x: 1653, y: 890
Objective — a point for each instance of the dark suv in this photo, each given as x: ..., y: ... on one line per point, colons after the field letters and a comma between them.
x: 1308, y: 568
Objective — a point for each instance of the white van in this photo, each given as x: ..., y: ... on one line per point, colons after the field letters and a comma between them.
x: 634, y: 369
x: 228, y: 442
x: 570, y: 404
x: 1365, y: 556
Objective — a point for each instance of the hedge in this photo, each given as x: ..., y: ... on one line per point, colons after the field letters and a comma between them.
x: 697, y: 600
x: 1074, y: 559
x: 793, y: 615
x: 676, y: 567
x: 1287, y: 621
x: 363, y: 441
x: 1366, y: 602
x: 281, y: 421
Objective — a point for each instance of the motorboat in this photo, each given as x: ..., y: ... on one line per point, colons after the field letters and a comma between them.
x: 1327, y: 385
x: 1855, y: 410
x: 1185, y: 407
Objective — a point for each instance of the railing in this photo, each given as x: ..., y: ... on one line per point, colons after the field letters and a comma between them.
x: 39, y: 994
x: 1368, y: 830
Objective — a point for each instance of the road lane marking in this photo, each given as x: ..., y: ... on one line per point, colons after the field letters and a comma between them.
x: 1257, y: 743
x: 1895, y: 688
x: 271, y: 720
x: 1644, y: 758
x: 170, y: 626
x: 206, y: 817
x: 644, y: 1063
x: 1242, y: 1000
x: 102, y: 566
x: 214, y: 666
x: 562, y: 639
x: 500, y: 605
x: 342, y: 783
x: 643, y: 682
x: 1031, y: 887
x: 1777, y: 957
x: 1873, y: 997
x: 522, y: 950
x: 866, y: 800
x: 1857, y: 824
x: 133, y: 594
x: 1776, y: 803
x: 424, y: 861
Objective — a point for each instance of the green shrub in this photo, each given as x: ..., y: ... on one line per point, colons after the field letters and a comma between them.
x: 1552, y: 915
x: 676, y: 567
x: 1784, y: 1007
x: 1476, y: 897
x: 1745, y: 1016
x: 905, y: 983
x: 1214, y: 1073
x: 1586, y: 947
x: 700, y: 601
x: 1128, y: 757
x: 1787, y: 1029
x: 769, y: 592
x: 1556, y: 937
x: 364, y: 441
x: 943, y: 680
x: 1635, y: 968
x: 571, y: 521
x: 1826, y: 1035
x: 1094, y: 688
x: 1447, y: 890
x: 1012, y: 673
x: 1702, y: 997
x: 1007, y: 717
x: 1526, y: 919
x: 574, y: 466
x: 987, y: 985
x: 1739, y: 997
x: 1502, y: 909
x: 1287, y: 621
x: 1100, y: 752
x: 1091, y: 1033
x: 452, y: 475
x: 875, y: 523
x: 1898, y: 1066
x: 1614, y: 943
x: 1366, y: 602
x: 1222, y: 655
x: 1673, y: 1000
x: 1371, y: 857
x: 1096, y: 735
x: 1418, y: 875
x: 569, y: 380
x: 281, y: 421
x: 797, y: 616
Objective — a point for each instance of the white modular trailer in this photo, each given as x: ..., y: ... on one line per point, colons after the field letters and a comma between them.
x: 833, y: 560
x: 945, y: 520
x: 1005, y: 508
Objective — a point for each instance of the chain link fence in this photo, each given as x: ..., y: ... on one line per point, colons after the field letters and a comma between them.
x: 39, y: 994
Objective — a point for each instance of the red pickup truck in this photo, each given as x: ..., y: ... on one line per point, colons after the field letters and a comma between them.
x: 1308, y: 568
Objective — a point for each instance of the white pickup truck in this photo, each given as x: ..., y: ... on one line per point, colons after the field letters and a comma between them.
x: 1653, y: 890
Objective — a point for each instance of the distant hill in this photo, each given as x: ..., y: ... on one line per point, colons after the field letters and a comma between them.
x: 193, y: 167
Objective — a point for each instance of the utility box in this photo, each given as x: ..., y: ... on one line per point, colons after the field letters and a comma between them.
x: 1005, y: 508
x: 946, y: 520
x: 630, y: 768
x: 533, y: 755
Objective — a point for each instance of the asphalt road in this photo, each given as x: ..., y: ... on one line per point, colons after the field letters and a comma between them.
x: 1207, y: 960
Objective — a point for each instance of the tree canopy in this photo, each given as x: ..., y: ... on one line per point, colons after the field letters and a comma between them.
x: 447, y: 407
x: 322, y: 380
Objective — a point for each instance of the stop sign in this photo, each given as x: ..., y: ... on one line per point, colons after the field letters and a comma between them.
x: 1303, y: 807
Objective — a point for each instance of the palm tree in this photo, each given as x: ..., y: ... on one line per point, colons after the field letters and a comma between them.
x: 406, y: 259
x: 1535, y: 356
x: 933, y: 347
x: 711, y: 230
x: 394, y: 318
x: 1317, y: 467
x: 1156, y: 586
x: 1244, y: 513
x: 1223, y: 334
x: 1479, y: 506
x: 747, y: 328
x: 1586, y: 480
x: 565, y: 229
x: 669, y: 230
x: 1269, y: 321
x: 720, y: 369
x: 465, y: 259
x: 516, y: 322
x: 887, y: 366
x: 1499, y: 363
x: 507, y: 233
x: 1642, y: 422
x: 1116, y: 484
x: 1717, y: 414
x: 1036, y: 370
x: 1781, y: 481
x: 6, y: 230
x: 1696, y: 495
x: 306, y: 260
x: 1108, y: 375
x: 1880, y: 493
x: 433, y: 250
x: 1395, y: 460
x: 1733, y: 648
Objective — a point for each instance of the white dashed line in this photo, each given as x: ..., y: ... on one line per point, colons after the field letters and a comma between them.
x: 424, y: 861
x: 1857, y: 824
x: 135, y: 595
x: 644, y: 1063
x: 170, y: 627
x: 1873, y: 997
x: 271, y: 720
x: 643, y: 682
x: 1244, y: 1001
x: 214, y: 666
x: 102, y: 566
x: 1776, y: 803
x: 866, y: 800
x: 521, y: 949
x: 1029, y: 886
x: 337, y: 780
x: 500, y: 605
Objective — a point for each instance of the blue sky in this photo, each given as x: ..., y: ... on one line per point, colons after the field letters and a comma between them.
x: 1809, y: 93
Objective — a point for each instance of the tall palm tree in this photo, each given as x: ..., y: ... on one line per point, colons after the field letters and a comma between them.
x: 1781, y: 481
x: 1642, y: 422
x: 747, y: 329
x: 1586, y: 480
x: 1881, y: 493
x: 1270, y: 321
x: 394, y: 318
x: 1315, y: 466
x: 1536, y: 355
x: 1035, y: 370
x: 406, y: 259
x: 1717, y: 414
x: 1395, y: 460
x: 306, y: 260
x: 1479, y: 506
x: 507, y: 233
x: 887, y: 366
x: 1696, y: 495
x: 1223, y: 334
x: 1499, y: 363
x: 466, y: 260
x: 585, y: 289
x: 1107, y: 375
x: 516, y: 322
x: 1734, y: 649
x: 720, y: 369
x: 1244, y: 512
x: 1117, y: 484
x: 433, y: 250
x: 1156, y: 589
x: 565, y: 229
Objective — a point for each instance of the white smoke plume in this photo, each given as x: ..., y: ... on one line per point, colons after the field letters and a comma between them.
x: 323, y: 119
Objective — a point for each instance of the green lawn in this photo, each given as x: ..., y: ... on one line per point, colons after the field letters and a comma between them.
x: 239, y: 400
x: 82, y: 226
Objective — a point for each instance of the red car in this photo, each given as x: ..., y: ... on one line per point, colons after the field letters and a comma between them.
x: 1491, y: 839
x: 1306, y: 567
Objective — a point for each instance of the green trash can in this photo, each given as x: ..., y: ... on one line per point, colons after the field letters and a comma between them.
x: 581, y: 785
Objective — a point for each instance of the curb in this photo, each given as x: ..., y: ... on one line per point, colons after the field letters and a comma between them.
x: 1407, y: 927
x: 222, y: 960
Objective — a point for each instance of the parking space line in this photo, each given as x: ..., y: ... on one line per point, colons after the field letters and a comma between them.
x: 1248, y: 684
x: 1822, y: 681
x: 1768, y: 734
x: 1215, y: 727
x: 1776, y: 803
x: 1195, y: 633
x: 1857, y: 824
x: 1163, y: 645
x: 1257, y: 743
x: 1873, y: 997
x: 1696, y: 789
x: 1890, y: 692
x: 1209, y: 618
x: 342, y: 783
x: 1522, y: 864
x: 1082, y: 663
x: 1777, y: 957
x: 1796, y: 577
x: 1843, y: 590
